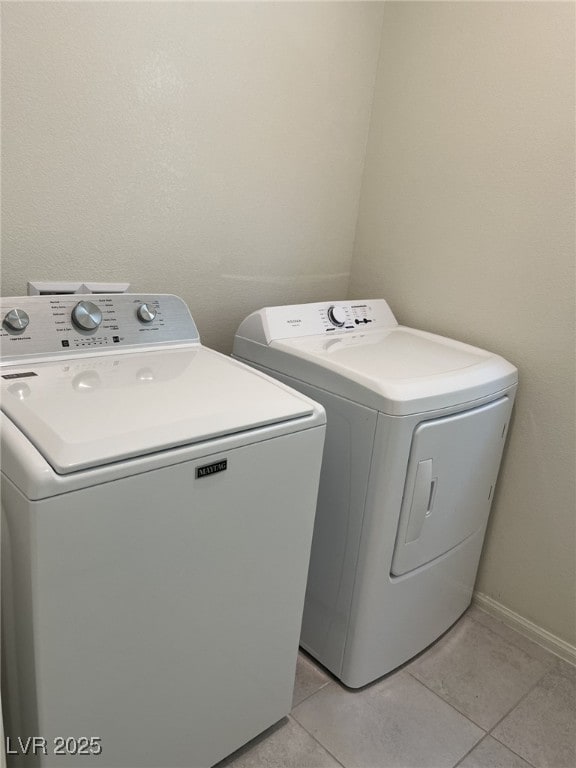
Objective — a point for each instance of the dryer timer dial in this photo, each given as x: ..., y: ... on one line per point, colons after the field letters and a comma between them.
x: 337, y: 316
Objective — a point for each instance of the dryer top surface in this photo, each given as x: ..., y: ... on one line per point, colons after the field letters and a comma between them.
x: 358, y: 351
x: 399, y: 370
x: 395, y: 354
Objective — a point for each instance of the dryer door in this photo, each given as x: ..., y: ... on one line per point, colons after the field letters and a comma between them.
x: 450, y: 481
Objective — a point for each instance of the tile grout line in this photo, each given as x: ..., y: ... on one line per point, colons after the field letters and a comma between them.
x: 472, y: 748
x: 309, y: 696
x: 520, y: 700
x: 482, y: 737
x: 489, y: 736
x: 454, y: 707
x: 463, y: 714
x: 513, y: 751
x: 324, y: 747
x: 538, y: 681
x: 487, y: 731
x: 536, y: 684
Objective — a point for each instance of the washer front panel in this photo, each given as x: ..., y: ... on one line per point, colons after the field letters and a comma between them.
x: 160, y: 593
x: 52, y: 332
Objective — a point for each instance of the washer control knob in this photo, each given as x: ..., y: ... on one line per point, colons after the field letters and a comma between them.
x: 146, y: 313
x: 86, y: 315
x: 337, y: 316
x: 16, y: 320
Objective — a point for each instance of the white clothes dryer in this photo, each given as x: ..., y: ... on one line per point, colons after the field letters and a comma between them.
x: 415, y: 433
x: 158, y: 501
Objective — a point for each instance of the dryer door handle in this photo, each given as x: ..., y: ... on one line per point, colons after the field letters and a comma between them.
x: 422, y: 499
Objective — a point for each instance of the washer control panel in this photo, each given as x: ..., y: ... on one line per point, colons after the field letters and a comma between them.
x: 333, y: 317
x: 46, y: 326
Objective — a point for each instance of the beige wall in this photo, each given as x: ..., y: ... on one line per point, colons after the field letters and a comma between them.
x: 467, y: 227
x: 209, y: 149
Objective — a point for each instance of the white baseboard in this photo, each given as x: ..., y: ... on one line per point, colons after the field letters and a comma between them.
x: 527, y: 628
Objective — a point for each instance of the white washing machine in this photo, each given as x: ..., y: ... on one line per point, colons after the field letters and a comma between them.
x: 158, y: 501
x: 416, y: 429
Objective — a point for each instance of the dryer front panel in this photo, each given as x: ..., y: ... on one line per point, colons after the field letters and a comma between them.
x: 452, y: 470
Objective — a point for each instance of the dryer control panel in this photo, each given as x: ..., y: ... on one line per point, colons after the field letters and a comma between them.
x: 275, y: 323
x: 48, y: 326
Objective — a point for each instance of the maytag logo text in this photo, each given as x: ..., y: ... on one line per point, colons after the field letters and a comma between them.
x: 211, y: 469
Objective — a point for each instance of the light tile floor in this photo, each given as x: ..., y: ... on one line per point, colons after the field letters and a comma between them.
x: 482, y: 696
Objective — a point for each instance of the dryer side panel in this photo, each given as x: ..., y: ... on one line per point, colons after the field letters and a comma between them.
x: 452, y: 471
x: 350, y: 434
x: 348, y: 449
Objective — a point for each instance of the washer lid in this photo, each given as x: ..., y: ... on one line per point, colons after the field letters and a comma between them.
x: 87, y: 412
x: 398, y: 371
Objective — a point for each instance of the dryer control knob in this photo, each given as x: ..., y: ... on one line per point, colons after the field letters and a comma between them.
x: 146, y: 313
x: 86, y: 315
x: 337, y: 316
x: 16, y: 320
